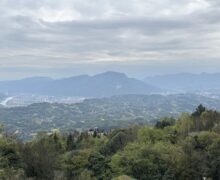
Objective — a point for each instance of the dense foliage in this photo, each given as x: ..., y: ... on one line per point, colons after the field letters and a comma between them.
x: 187, y: 148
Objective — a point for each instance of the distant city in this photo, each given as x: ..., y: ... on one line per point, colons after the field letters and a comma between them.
x: 25, y: 100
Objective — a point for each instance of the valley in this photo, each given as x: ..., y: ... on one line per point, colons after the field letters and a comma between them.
x: 107, y: 113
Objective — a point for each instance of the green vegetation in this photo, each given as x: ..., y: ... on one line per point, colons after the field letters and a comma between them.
x: 105, y: 113
x: 184, y: 148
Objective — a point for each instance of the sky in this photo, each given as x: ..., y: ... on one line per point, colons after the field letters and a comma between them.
x: 60, y: 38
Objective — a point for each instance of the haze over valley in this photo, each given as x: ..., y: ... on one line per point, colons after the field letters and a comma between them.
x: 109, y: 90
x: 77, y: 88
x: 107, y: 100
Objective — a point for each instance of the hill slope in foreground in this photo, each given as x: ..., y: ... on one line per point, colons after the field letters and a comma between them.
x: 184, y: 148
x: 116, y: 111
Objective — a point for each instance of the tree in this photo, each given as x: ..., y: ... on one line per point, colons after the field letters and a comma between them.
x: 117, y: 141
x: 98, y: 164
x: 123, y: 177
x: 70, y: 143
x: 184, y: 124
x: 209, y: 119
x: 151, y: 135
x: 199, y: 110
x: 165, y: 122
x: 214, y: 159
x: 74, y: 163
x: 86, y: 175
x: 40, y: 158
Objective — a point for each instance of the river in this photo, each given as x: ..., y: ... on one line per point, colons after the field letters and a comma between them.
x: 4, y: 102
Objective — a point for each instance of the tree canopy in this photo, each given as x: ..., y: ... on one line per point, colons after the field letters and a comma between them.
x: 184, y: 148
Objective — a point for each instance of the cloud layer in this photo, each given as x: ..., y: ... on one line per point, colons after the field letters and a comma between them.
x: 69, y: 33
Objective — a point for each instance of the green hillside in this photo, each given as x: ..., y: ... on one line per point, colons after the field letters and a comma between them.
x: 187, y: 147
x: 107, y: 113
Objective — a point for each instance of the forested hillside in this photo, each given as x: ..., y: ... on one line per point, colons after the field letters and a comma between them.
x: 187, y: 147
x: 106, y: 113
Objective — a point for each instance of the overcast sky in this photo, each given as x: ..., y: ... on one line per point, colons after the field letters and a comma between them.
x: 140, y: 37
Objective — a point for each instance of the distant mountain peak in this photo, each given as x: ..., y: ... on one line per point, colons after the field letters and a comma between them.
x: 83, y: 76
x: 111, y: 74
x: 37, y: 78
x: 105, y: 84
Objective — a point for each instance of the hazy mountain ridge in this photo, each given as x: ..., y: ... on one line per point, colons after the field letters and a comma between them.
x: 186, y: 82
x: 101, y: 85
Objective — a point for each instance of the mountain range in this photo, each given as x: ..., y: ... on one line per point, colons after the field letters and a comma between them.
x: 186, y: 82
x: 101, y: 85
x: 113, y: 83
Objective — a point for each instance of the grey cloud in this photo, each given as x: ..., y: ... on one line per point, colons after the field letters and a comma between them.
x: 138, y: 32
